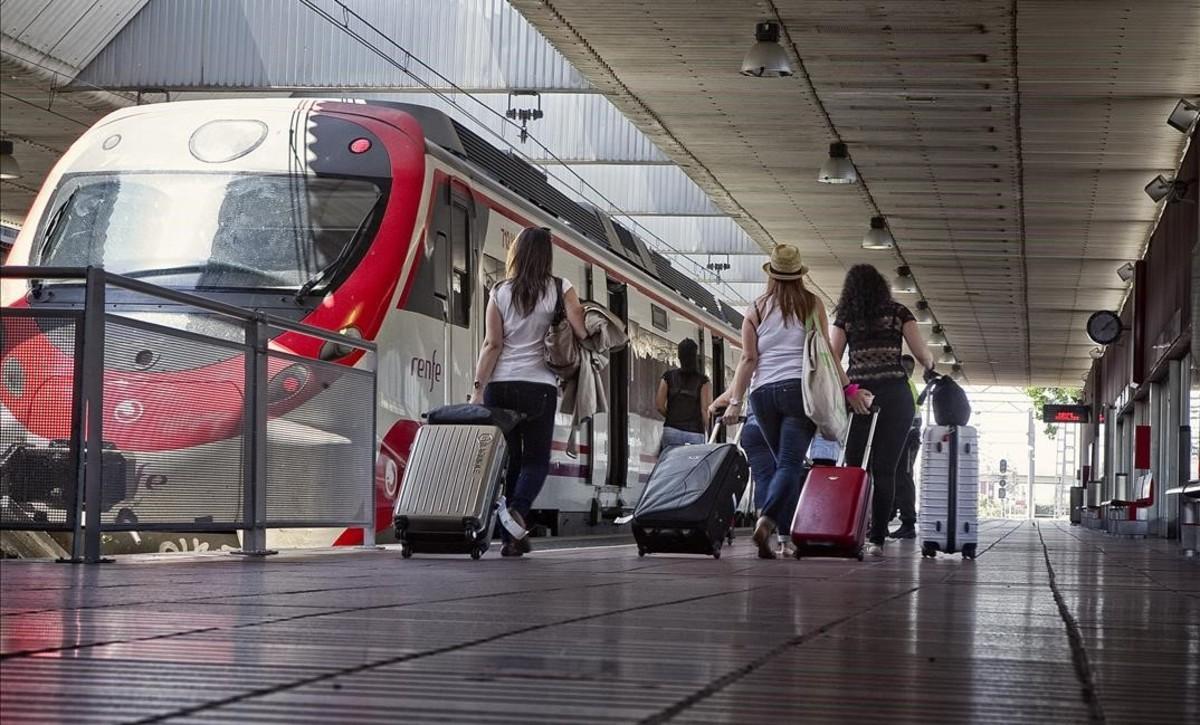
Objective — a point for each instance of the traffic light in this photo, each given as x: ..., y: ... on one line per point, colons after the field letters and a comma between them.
x: 1004, y: 465
x: 1001, y: 493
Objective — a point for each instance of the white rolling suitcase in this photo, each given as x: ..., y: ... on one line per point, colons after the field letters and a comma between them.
x: 454, y: 477
x: 949, y: 518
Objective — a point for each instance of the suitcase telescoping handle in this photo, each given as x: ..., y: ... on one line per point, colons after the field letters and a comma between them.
x: 866, y: 459
x: 717, y: 424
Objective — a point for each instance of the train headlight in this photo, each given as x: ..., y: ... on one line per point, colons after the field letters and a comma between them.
x: 13, y: 377
x: 290, y: 381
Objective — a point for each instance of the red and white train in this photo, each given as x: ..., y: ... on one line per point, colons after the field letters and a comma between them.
x: 383, y: 220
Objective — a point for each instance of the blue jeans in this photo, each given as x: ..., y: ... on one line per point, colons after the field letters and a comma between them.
x: 779, y: 408
x: 529, y: 442
x: 673, y: 438
x: 762, y: 461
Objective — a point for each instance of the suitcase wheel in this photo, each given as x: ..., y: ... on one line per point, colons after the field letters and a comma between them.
x: 406, y: 551
x: 641, y: 551
x: 860, y: 556
x: 968, y: 552
x: 928, y: 550
x: 477, y: 552
x: 716, y: 554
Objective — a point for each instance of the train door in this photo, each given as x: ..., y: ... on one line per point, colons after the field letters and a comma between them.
x: 459, y: 293
x: 568, y: 485
x: 618, y: 390
x: 597, y: 291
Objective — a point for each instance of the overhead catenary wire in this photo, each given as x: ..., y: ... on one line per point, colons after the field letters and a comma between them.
x: 343, y: 24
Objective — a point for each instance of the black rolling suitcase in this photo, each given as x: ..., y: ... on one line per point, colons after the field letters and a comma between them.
x: 690, y: 499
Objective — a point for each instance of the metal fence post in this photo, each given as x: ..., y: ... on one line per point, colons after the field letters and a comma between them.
x: 368, y: 531
x: 92, y: 391
x: 77, y: 442
x: 254, y: 508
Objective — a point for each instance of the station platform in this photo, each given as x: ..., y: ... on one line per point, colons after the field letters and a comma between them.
x: 1050, y: 624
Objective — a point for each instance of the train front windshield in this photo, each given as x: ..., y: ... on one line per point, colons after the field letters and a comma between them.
x: 207, y: 230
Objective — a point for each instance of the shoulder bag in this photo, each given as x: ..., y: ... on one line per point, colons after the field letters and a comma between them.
x: 561, y: 349
x: 824, y: 398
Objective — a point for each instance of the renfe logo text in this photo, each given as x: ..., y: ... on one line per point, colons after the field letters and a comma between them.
x: 423, y: 369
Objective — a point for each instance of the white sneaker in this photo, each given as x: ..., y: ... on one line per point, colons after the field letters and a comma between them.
x: 874, y: 550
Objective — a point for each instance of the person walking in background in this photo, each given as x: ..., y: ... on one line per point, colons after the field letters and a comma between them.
x: 875, y: 327
x: 683, y: 399
x: 773, y: 341
x: 512, y: 373
x: 906, y: 488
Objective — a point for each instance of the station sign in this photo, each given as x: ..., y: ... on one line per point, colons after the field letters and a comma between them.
x: 1067, y: 413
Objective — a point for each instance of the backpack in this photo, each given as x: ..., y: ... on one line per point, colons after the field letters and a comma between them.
x: 950, y: 403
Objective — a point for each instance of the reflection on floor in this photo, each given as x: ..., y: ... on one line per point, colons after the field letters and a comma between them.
x: 1051, y: 624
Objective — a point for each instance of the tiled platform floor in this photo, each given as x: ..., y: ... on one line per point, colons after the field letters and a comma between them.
x: 598, y: 635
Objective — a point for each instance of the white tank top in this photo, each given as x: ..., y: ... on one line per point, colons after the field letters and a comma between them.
x: 780, y: 347
x: 523, y: 358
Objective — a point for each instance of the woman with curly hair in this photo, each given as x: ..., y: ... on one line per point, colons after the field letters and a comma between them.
x: 875, y: 326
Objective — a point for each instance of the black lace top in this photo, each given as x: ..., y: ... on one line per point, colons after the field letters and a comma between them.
x: 876, y: 344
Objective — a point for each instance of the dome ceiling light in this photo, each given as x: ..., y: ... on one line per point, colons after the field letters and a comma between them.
x: 767, y: 58
x: 878, y: 236
x: 838, y: 168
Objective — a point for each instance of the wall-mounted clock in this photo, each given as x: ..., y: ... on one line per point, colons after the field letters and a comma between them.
x: 1104, y: 327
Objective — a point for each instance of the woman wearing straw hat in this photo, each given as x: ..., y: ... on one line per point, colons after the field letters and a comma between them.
x: 773, y: 335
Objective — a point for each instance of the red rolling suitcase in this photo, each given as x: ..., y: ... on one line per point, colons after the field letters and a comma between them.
x: 835, y: 504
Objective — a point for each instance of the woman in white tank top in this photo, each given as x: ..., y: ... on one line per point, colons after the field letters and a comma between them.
x: 512, y: 373
x: 773, y: 334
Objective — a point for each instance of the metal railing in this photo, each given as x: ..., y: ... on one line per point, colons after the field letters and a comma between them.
x: 116, y: 421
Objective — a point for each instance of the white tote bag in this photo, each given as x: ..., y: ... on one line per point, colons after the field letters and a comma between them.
x: 824, y: 399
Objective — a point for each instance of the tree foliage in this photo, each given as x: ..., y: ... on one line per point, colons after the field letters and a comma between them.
x: 1044, y: 396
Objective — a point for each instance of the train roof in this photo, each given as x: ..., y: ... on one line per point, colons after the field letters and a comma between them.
x: 530, y: 183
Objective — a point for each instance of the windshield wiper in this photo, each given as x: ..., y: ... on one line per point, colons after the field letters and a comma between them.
x: 52, y: 228
x: 330, y: 270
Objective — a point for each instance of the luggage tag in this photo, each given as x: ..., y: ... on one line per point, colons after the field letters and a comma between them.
x: 508, y: 522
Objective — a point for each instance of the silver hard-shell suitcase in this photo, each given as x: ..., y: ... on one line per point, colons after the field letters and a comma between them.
x: 949, y: 517
x: 448, y: 495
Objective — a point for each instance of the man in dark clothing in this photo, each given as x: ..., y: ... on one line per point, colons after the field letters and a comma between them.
x: 906, y: 489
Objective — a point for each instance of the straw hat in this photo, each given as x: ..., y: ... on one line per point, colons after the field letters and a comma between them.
x: 785, y: 263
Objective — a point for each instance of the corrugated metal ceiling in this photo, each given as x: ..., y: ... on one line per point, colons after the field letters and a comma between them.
x: 274, y: 44
x: 72, y: 31
x: 1006, y: 142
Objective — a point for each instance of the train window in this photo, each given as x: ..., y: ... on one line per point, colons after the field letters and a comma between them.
x: 226, y: 230
x: 441, y: 274
x: 658, y: 318
x: 460, y: 265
